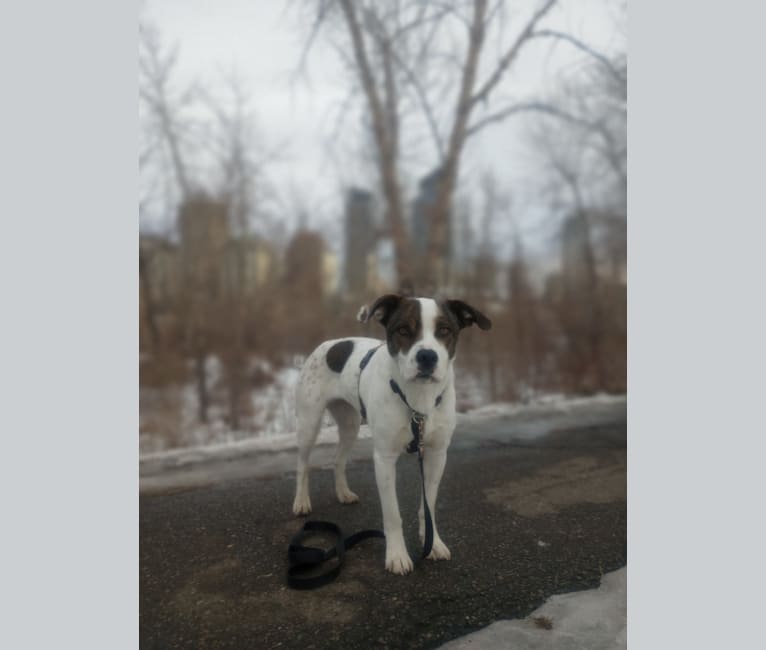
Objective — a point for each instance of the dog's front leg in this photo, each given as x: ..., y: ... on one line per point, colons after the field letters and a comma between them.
x: 433, y: 467
x: 397, y: 558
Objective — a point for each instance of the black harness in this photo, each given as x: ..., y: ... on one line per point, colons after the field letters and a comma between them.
x: 303, y: 559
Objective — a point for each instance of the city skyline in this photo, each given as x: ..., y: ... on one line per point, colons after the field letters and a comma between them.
x: 262, y: 42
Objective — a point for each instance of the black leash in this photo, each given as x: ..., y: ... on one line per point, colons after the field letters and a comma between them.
x: 417, y: 426
x: 303, y: 559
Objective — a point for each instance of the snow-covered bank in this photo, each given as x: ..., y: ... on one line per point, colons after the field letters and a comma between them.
x: 238, y: 448
x: 554, y: 402
x: 595, y: 619
x: 170, y: 419
x: 541, y: 408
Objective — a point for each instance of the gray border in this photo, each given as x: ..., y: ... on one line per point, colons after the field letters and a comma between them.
x: 696, y: 324
x: 70, y: 507
x: 69, y: 334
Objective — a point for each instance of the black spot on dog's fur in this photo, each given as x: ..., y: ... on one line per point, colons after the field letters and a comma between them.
x: 338, y: 354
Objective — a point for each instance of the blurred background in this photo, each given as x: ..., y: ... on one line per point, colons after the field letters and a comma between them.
x: 298, y: 159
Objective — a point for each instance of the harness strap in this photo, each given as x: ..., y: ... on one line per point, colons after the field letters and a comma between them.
x: 362, y: 365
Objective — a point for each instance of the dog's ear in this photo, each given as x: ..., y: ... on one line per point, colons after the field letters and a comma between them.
x: 467, y: 315
x: 381, y: 309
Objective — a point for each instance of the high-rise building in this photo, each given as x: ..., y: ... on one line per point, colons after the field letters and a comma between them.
x: 359, y: 240
x: 421, y: 213
x: 204, y: 229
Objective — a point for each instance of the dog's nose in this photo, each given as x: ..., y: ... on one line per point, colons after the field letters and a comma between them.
x: 426, y: 359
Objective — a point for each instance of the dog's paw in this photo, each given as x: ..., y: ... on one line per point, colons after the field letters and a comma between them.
x: 347, y: 496
x: 439, y: 551
x: 399, y: 563
x: 301, y: 506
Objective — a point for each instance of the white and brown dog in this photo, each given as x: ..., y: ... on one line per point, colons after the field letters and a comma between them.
x: 421, y: 337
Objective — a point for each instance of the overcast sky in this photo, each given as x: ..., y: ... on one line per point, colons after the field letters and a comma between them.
x: 262, y: 41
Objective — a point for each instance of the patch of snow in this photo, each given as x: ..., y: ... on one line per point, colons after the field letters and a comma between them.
x: 551, y: 402
x: 170, y: 418
x: 238, y: 448
x: 274, y: 404
x: 595, y: 619
x: 470, y: 391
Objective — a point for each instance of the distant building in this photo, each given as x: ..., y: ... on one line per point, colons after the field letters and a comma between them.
x: 613, y: 236
x: 421, y: 214
x: 304, y: 264
x: 593, y: 243
x: 359, y: 239
x: 381, y: 267
x: 158, y: 289
x: 249, y: 263
x: 161, y: 262
x: 204, y: 230
x: 330, y: 272
x: 576, y: 247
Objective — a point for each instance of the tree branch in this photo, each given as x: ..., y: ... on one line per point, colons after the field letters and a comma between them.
x: 540, y: 107
x: 318, y: 21
x: 550, y: 33
x: 510, y: 55
x: 425, y: 105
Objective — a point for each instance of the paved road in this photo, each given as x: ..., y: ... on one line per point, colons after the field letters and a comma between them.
x: 524, y: 517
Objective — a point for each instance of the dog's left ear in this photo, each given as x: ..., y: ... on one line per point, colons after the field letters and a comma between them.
x: 467, y: 315
x: 381, y: 309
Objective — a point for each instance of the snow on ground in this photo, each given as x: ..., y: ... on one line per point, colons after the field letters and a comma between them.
x: 228, y: 450
x: 543, y: 407
x: 170, y: 425
x: 544, y: 403
x: 170, y: 418
x: 595, y: 619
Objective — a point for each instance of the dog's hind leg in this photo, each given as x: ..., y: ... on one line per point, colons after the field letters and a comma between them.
x: 348, y: 420
x: 308, y: 421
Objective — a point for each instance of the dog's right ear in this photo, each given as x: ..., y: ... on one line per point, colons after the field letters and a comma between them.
x: 381, y: 309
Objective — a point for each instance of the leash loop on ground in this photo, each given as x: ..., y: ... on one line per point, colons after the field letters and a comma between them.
x: 304, y: 559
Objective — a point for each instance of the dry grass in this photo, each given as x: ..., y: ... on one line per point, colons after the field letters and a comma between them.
x: 543, y: 622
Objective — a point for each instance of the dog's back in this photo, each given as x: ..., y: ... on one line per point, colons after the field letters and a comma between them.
x: 329, y: 381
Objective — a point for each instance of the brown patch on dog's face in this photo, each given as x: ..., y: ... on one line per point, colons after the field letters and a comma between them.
x: 404, y: 327
x: 447, y: 328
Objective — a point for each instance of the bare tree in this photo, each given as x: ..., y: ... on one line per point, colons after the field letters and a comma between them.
x: 199, y: 140
x: 583, y: 161
x: 157, y: 74
x: 422, y: 64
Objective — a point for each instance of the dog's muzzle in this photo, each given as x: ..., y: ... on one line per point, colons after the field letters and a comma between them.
x: 426, y: 360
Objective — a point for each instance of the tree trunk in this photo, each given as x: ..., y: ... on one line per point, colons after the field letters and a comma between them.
x: 202, y: 394
x: 235, y: 364
x: 385, y: 132
x: 439, y: 221
x: 151, y: 319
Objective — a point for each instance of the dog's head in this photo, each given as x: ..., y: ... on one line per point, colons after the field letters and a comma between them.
x: 422, y: 333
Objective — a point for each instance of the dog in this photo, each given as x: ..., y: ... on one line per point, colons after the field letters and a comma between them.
x: 356, y: 377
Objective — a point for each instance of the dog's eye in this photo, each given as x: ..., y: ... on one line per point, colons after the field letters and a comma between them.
x: 443, y: 331
x: 404, y: 331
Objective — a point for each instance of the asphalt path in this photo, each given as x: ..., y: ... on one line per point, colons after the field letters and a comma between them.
x: 525, y: 518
